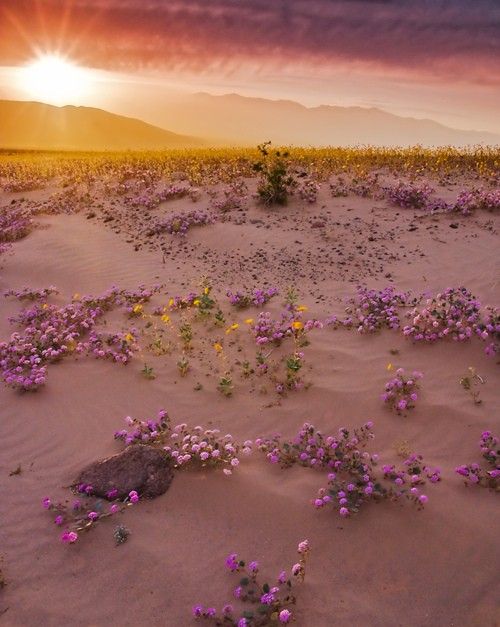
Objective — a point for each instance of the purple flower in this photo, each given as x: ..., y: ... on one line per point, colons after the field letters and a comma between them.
x: 133, y: 496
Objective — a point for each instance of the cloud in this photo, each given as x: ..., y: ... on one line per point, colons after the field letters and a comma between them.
x: 455, y: 39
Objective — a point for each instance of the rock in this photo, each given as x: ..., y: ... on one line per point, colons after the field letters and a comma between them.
x: 142, y: 468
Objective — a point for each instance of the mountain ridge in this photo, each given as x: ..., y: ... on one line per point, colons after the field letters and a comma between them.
x: 202, y: 119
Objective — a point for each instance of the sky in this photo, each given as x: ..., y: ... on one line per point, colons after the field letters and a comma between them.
x: 437, y: 59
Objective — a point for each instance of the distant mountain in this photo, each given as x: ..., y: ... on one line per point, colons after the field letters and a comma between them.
x: 220, y: 120
x: 28, y: 125
x: 239, y: 119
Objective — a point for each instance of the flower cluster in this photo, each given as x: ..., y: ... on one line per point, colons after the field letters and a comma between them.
x: 454, y: 313
x: 352, y: 479
x: 489, y: 330
x: 180, y: 223
x: 491, y: 453
x: 360, y: 484
x: 196, y: 447
x: 273, y: 601
x: 85, y: 512
x: 233, y: 196
x: 401, y: 391
x: 151, y: 199
x: 28, y: 293
x: 258, y: 297
x: 113, y: 346
x: 365, y: 185
x: 53, y: 332
x: 339, y: 188
x: 469, y: 201
x: 310, y: 448
x: 409, y: 195
x: 308, y: 189
x: 14, y: 224
x: 375, y: 309
x: 20, y: 185
x: 268, y: 330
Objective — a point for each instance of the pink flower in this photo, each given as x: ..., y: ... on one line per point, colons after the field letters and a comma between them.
x: 303, y: 546
x: 69, y: 537
x: 133, y: 496
x: 285, y: 616
x: 197, y: 611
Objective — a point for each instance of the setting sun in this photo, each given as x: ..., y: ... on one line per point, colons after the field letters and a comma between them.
x: 55, y: 80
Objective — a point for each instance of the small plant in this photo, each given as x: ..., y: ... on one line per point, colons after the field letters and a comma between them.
x: 28, y: 293
x: 183, y: 366
x: 469, y: 381
x: 474, y: 474
x: 401, y: 391
x: 246, y: 369
x: 291, y: 298
x: 293, y: 366
x: 121, y: 534
x: 179, y: 223
x: 186, y: 334
x: 266, y: 604
x: 225, y: 385
x: 147, y: 372
x: 277, y: 181
x: 86, y: 511
x: 258, y: 297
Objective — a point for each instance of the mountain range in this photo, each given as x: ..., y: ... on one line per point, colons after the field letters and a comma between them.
x: 202, y: 119
x: 35, y: 125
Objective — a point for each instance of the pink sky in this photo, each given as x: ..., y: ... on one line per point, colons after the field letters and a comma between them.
x: 427, y: 58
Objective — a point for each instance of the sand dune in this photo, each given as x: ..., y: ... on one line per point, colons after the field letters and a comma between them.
x: 389, y: 565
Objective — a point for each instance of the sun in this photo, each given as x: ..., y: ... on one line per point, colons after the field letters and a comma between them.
x: 55, y: 80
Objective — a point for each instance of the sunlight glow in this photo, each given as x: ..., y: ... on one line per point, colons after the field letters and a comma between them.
x: 55, y: 80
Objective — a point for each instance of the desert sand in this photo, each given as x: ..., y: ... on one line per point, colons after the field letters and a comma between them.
x: 387, y: 566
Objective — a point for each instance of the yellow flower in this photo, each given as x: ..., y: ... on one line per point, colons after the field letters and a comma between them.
x: 171, y: 302
x: 165, y: 318
x: 45, y: 306
x: 138, y: 308
x: 196, y: 302
x: 302, y: 308
x: 76, y: 296
x: 129, y: 337
x: 296, y: 324
x: 206, y: 291
x: 390, y: 367
x: 249, y: 321
x: 218, y: 347
x: 233, y: 327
